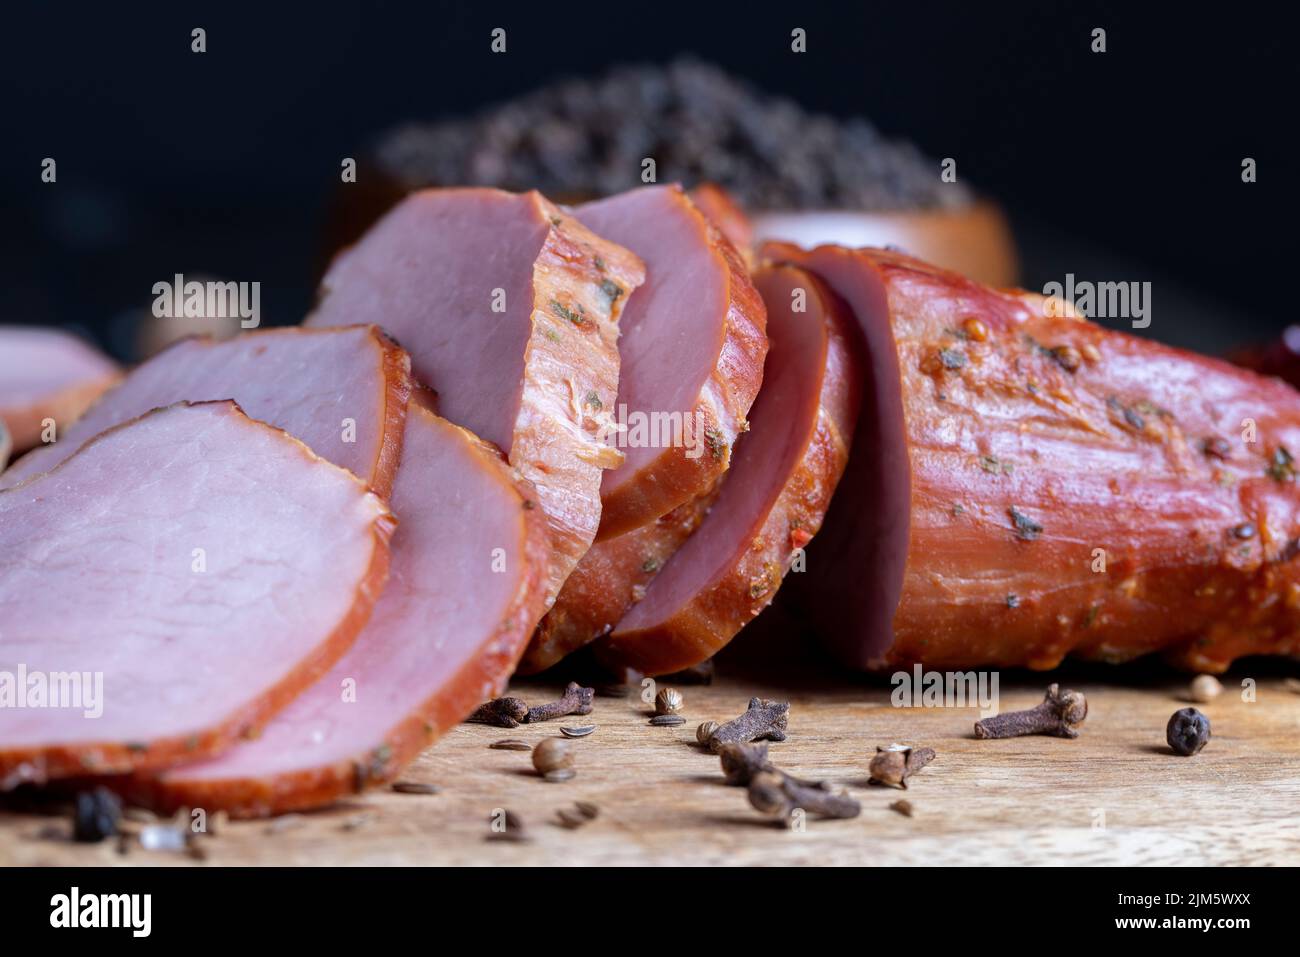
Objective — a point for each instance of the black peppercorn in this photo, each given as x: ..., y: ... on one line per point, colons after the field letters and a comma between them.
x: 1188, y: 731
x: 96, y: 816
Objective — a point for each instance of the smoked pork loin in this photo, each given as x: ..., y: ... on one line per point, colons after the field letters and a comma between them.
x: 46, y: 374
x: 510, y: 309
x: 466, y: 587
x: 170, y: 586
x: 771, y: 504
x: 1025, y: 485
x: 692, y: 349
x: 343, y: 392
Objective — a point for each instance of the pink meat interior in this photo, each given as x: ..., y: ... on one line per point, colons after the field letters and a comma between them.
x: 781, y: 421
x: 35, y: 363
x: 443, y: 601
x: 429, y: 273
x: 671, y: 331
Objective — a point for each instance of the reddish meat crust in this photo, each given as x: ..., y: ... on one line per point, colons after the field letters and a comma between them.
x: 1065, y: 488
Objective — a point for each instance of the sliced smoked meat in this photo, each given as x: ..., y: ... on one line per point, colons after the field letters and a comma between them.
x: 610, y: 579
x: 170, y: 586
x: 510, y: 309
x: 772, y: 502
x: 342, y: 391
x: 5, y: 445
x: 466, y: 587
x: 47, y: 374
x: 1025, y: 484
x: 721, y: 207
x: 693, y: 345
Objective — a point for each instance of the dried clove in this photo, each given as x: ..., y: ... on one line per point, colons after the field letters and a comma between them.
x: 668, y: 701
x: 575, y: 700
x: 96, y: 815
x: 1188, y: 731
x: 1059, y: 714
x: 762, y: 720
x: 1204, y: 688
x: 902, y: 807
x: 501, y: 712
x: 553, y: 754
x: 892, y: 766
x: 743, y: 761
x: 778, y: 795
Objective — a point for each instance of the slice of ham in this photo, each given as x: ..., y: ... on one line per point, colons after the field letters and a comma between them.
x: 722, y: 208
x: 510, y: 309
x: 610, y: 579
x: 693, y: 345
x: 206, y: 566
x: 1036, y: 485
x: 466, y: 587
x: 47, y: 374
x: 343, y: 392
x: 775, y: 496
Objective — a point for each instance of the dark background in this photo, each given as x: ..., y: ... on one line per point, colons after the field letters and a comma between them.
x: 1124, y: 165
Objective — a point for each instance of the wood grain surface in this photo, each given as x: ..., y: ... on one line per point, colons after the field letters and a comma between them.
x: 1116, y: 795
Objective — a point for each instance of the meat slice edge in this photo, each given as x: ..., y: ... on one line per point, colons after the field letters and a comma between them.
x: 1070, y: 489
x: 341, y: 391
x: 510, y: 308
x: 773, y: 502
x: 47, y: 374
x: 692, y: 348
x: 158, y: 531
x: 466, y: 588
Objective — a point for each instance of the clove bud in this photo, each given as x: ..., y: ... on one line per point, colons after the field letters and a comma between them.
x: 1059, y: 714
x: 892, y: 766
x: 778, y: 795
x: 501, y: 712
x: 575, y: 700
x: 762, y: 720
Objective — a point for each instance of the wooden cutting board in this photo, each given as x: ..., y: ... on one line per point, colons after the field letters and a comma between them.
x: 1114, y: 796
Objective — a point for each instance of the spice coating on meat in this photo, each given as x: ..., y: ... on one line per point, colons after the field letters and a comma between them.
x: 1039, y: 485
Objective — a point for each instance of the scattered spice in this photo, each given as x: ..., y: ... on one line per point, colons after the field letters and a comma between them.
x: 581, y: 731
x: 1216, y: 448
x: 501, y: 712
x: 705, y: 731
x: 1282, y: 466
x: 593, y: 401
x: 1067, y: 357
x: 571, y: 819
x: 1089, y: 352
x: 892, y: 766
x: 575, y: 700
x: 743, y: 760
x: 96, y: 815
x: 762, y: 720
x: 717, y: 445
x: 650, y: 566
x: 1244, y: 530
x: 952, y: 358
x: 1204, y: 688
x: 668, y: 701
x: 667, y: 720
x: 414, y: 787
x: 553, y: 754
x: 1013, y: 601
x: 1060, y: 714
x: 564, y: 312
x: 611, y: 289
x: 1188, y: 731
x: 779, y: 796
x: 1026, y: 528
x: 902, y: 807
x: 975, y: 329
x: 995, y: 466
x: 511, y: 744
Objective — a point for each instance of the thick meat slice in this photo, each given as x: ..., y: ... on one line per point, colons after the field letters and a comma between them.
x: 343, y: 392
x: 46, y: 374
x: 466, y: 587
x: 722, y: 208
x: 510, y: 310
x: 171, y: 586
x: 1035, y: 485
x: 610, y: 579
x: 692, y: 346
x: 773, y: 500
